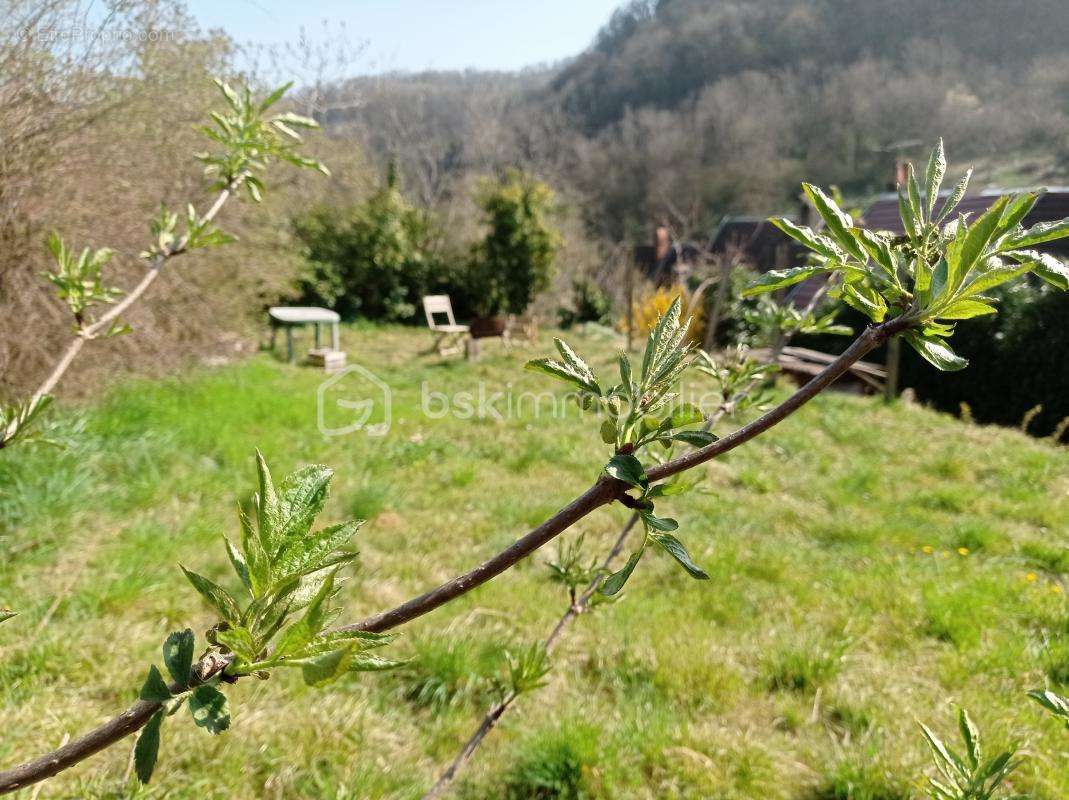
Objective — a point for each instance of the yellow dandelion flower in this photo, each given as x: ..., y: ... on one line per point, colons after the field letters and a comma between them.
x: 1056, y: 589
x: 963, y: 551
x: 927, y: 549
x: 1031, y: 577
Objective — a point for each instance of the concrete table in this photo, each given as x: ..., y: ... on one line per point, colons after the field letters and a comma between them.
x: 289, y: 316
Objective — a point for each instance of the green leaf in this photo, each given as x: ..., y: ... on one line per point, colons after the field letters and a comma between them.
x: 935, y: 352
x: 670, y: 489
x: 147, y: 748
x: 955, y: 196
x: 357, y: 641
x: 977, y: 237
x: 1037, y: 234
x: 940, y: 751
x: 658, y: 523
x: 300, y: 499
x: 268, y: 509
x: 576, y: 364
x: 608, y: 431
x: 363, y: 662
x: 615, y: 582
x: 275, y: 96
x: 933, y: 177
x: 995, y: 276
x: 239, y: 641
x: 556, y: 369
x: 154, y: 689
x: 866, y: 300
x: 657, y: 344
x: 1015, y: 212
x: 838, y: 223
x: 914, y: 190
x: 972, y: 738
x: 309, y: 625
x: 178, y: 655
x: 325, y: 668
x: 6, y: 614
x: 625, y: 373
x: 237, y: 561
x: 675, y: 548
x: 256, y: 560
x: 216, y: 596
x: 209, y: 709
x: 1045, y: 266
x: 877, y: 247
x: 1056, y: 704
x: 780, y: 278
x: 686, y: 414
x: 625, y: 467
x: 314, y: 551
x: 965, y: 309
x: 810, y: 238
x: 695, y: 438
x: 908, y: 213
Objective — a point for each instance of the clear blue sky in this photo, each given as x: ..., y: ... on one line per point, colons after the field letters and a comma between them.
x: 421, y: 34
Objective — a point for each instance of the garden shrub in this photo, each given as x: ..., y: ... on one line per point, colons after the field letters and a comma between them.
x: 589, y: 304
x: 1019, y: 359
x: 551, y: 765
x: 369, y: 260
x: 514, y: 260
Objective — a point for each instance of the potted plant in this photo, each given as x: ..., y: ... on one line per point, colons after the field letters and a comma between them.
x: 513, y: 262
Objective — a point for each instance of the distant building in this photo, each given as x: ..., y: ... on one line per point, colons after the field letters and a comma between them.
x: 1054, y: 205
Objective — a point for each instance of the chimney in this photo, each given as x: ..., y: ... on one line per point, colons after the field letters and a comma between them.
x: 900, y: 172
x: 662, y: 243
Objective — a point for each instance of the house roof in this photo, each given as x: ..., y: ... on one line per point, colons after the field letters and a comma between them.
x: 1052, y: 205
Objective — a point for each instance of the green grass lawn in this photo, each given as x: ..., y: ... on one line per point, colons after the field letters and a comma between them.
x: 871, y: 566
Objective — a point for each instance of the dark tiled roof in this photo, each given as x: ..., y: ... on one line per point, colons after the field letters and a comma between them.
x: 1054, y: 205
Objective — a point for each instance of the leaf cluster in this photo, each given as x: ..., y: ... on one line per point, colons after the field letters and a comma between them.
x: 250, y: 139
x: 968, y: 777
x: 771, y: 319
x: 638, y: 412
x: 166, y: 241
x: 571, y: 568
x: 525, y: 669
x: 289, y: 579
x: 78, y: 277
x: 740, y: 380
x: 940, y: 272
x: 17, y: 418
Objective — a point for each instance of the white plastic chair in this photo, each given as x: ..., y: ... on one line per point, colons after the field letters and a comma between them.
x: 450, y: 336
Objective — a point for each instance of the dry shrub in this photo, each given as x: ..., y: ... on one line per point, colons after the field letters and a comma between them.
x: 95, y: 147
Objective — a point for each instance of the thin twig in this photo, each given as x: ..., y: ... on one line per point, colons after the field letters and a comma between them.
x: 603, y: 492
x: 101, y: 325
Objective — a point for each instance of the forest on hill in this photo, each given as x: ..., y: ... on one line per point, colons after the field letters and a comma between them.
x: 690, y: 109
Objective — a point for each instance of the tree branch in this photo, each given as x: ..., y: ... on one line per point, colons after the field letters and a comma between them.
x: 101, y: 325
x: 604, y: 491
x: 871, y: 338
x: 579, y: 606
